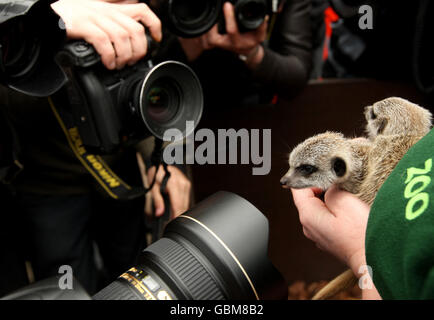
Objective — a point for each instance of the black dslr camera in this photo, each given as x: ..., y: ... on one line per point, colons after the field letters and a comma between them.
x: 250, y: 14
x: 114, y: 108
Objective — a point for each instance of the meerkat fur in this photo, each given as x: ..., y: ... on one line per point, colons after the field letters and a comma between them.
x: 326, y: 159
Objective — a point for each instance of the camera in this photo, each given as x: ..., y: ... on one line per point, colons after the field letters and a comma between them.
x: 29, y: 37
x: 215, y: 251
x: 111, y: 109
x: 187, y: 18
x: 250, y: 14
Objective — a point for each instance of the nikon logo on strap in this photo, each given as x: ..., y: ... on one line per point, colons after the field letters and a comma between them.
x: 94, y: 164
x: 103, y: 173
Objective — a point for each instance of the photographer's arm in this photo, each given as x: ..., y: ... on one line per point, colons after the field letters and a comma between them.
x: 286, y: 63
x: 115, y: 28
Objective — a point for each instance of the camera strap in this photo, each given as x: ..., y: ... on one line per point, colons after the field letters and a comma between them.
x: 112, y: 184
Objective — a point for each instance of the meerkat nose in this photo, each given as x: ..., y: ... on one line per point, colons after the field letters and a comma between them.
x: 283, y: 181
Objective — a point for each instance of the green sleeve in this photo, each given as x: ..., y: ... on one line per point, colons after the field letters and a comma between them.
x: 400, y: 232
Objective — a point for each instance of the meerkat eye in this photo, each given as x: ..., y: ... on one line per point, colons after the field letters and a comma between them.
x: 307, y: 169
x: 339, y: 167
x: 373, y: 115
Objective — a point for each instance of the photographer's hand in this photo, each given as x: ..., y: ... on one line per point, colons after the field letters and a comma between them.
x: 178, y: 188
x: 116, y: 30
x: 247, y: 44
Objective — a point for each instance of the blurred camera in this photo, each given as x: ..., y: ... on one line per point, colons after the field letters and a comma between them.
x: 250, y: 14
x: 114, y: 108
x: 187, y: 18
x: 29, y: 37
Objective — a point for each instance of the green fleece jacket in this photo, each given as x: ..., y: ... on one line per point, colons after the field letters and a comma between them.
x: 400, y: 232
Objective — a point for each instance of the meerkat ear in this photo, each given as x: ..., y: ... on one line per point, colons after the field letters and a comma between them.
x: 339, y: 166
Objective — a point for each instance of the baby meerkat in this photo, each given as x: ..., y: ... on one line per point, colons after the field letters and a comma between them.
x: 359, y: 165
x: 326, y: 159
x: 393, y: 125
x: 396, y: 116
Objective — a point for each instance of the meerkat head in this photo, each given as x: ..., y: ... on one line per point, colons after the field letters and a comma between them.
x: 396, y: 116
x: 319, y: 161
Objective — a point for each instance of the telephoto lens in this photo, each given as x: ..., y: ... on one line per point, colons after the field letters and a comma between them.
x: 187, y: 18
x: 215, y: 251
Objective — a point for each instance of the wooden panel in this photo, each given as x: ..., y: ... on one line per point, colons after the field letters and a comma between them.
x: 328, y: 105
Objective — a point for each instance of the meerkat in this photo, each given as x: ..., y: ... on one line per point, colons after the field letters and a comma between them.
x: 327, y: 159
x: 396, y: 116
x: 359, y: 165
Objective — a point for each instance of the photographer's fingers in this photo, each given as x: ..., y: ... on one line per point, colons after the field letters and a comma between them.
x: 178, y: 188
x: 178, y: 205
x: 231, y: 22
x: 158, y: 200
x: 142, y: 13
x: 157, y: 197
x: 240, y: 43
x: 136, y: 31
x: 214, y: 39
x: 120, y: 38
x: 103, y: 45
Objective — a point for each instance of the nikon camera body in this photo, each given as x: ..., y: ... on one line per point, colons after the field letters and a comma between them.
x: 114, y: 108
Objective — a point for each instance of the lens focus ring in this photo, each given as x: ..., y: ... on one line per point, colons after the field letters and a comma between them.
x: 197, y: 280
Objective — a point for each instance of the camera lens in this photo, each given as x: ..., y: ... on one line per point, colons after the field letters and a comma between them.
x: 215, y: 251
x: 192, y: 18
x: 191, y: 11
x: 163, y: 101
x: 168, y: 97
x: 250, y: 13
x: 20, y: 57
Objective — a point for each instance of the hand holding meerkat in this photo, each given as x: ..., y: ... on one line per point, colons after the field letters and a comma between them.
x: 359, y: 165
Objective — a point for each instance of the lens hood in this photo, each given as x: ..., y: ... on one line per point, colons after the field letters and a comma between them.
x: 187, y: 18
x: 184, y: 90
x: 231, y: 234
